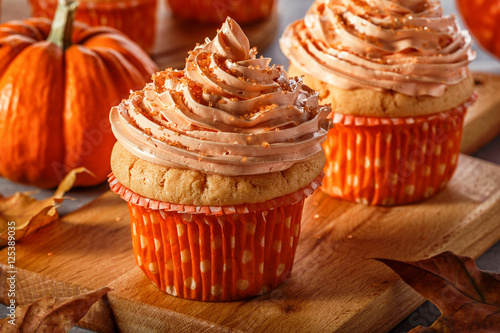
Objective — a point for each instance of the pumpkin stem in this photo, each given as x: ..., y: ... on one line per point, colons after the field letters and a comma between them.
x: 62, y: 24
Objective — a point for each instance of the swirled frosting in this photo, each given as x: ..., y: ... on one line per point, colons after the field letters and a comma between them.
x: 228, y: 112
x: 407, y: 46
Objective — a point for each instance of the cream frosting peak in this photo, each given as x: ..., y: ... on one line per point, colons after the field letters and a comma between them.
x: 230, y: 42
x: 403, y: 45
x: 228, y: 112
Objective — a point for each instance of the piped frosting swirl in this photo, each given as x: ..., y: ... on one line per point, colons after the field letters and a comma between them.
x: 407, y: 46
x: 228, y: 112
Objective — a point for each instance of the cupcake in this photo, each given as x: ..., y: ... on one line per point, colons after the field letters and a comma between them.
x: 135, y: 18
x: 215, y: 162
x: 396, y: 75
x: 209, y: 11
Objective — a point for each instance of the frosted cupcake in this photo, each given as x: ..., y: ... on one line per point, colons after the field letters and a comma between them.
x: 395, y: 73
x: 215, y: 162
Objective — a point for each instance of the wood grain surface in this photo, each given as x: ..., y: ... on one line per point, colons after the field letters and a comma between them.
x: 334, y: 286
x: 482, y: 122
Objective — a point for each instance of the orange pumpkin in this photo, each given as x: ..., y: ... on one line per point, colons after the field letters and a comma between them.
x: 56, y: 89
x: 483, y: 20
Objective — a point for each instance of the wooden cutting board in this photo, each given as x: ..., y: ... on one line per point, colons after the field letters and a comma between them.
x: 334, y: 286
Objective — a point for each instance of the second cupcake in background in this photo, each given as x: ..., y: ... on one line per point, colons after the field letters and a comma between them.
x: 396, y: 75
x: 215, y: 162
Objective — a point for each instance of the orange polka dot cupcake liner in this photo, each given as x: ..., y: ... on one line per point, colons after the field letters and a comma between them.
x: 135, y: 18
x: 215, y: 253
x: 392, y: 161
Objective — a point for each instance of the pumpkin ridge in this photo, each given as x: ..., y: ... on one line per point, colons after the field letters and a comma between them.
x: 49, y: 124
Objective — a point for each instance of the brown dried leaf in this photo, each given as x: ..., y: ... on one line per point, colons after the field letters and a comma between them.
x: 469, y: 299
x: 51, y: 314
x: 27, y: 214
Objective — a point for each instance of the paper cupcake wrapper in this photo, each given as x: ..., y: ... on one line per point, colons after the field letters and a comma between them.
x: 215, y: 253
x: 392, y: 161
x: 211, y: 11
x: 135, y: 18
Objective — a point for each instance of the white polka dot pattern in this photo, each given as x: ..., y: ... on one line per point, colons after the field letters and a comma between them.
x: 368, y: 163
x: 170, y: 264
x: 180, y: 230
x: 190, y: 283
x: 409, y: 189
x: 153, y: 267
x: 391, y: 161
x: 216, y: 258
x: 216, y: 290
x: 185, y: 256
x: 144, y: 241
x: 264, y: 290
x: 247, y: 257
x: 157, y: 244
x: 288, y: 221
x: 171, y: 290
x: 250, y: 228
x: 242, y: 284
x: 337, y: 191
x: 362, y: 201
x: 216, y: 243
x: 280, y: 270
x: 205, y: 266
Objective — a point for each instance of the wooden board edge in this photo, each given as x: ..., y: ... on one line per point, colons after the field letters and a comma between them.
x: 485, y: 121
x: 156, y: 319
x: 399, y: 295
x: 490, y: 212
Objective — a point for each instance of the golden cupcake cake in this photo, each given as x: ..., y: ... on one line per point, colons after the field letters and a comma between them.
x: 215, y: 162
x: 396, y: 75
x: 135, y: 18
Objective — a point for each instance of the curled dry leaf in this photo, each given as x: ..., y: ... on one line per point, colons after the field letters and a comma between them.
x: 27, y: 214
x: 469, y: 299
x: 51, y: 314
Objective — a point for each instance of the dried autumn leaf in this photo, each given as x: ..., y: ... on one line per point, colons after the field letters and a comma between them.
x: 469, y: 299
x: 27, y: 214
x: 51, y: 314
